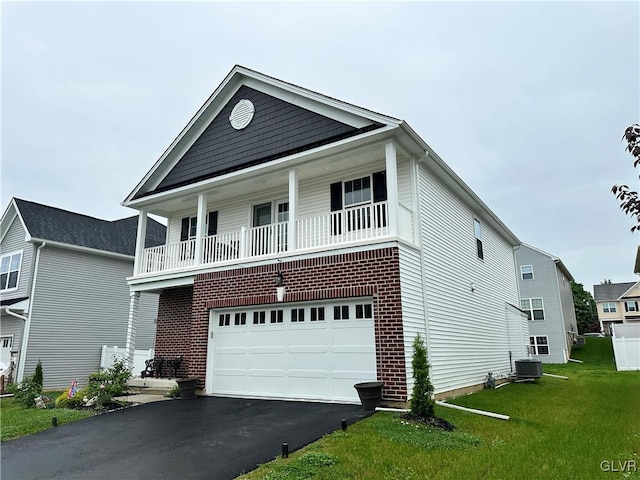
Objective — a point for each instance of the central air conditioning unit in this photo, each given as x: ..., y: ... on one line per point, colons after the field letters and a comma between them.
x: 580, y: 341
x: 528, y: 368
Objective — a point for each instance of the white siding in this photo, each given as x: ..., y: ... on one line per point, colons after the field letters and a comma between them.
x: 413, y: 316
x: 468, y: 330
x: 13, y: 241
x: 81, y: 302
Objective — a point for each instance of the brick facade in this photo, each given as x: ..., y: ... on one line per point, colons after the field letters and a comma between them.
x: 374, y: 273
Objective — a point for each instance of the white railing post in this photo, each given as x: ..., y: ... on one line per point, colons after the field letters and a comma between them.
x: 243, y: 242
x: 292, y: 240
x: 200, y: 227
x: 392, y: 187
x: 141, y: 236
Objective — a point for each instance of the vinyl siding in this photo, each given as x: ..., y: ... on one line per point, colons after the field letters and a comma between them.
x: 81, y: 302
x: 12, y: 326
x: 313, y: 199
x: 413, y: 316
x: 13, y: 241
x: 468, y: 331
x: 545, y: 284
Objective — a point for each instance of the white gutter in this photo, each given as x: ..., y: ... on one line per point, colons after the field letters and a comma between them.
x: 94, y: 251
x: 14, y: 314
x: 27, y: 323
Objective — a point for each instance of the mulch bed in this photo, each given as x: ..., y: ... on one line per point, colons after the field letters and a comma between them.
x: 436, y: 422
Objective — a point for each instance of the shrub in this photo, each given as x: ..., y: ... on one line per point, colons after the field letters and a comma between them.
x: 27, y: 391
x: 421, y: 402
x: 108, y: 382
x: 64, y: 401
x: 37, y: 376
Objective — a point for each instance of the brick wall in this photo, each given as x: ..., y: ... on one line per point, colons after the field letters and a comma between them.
x: 374, y: 273
x: 174, y: 325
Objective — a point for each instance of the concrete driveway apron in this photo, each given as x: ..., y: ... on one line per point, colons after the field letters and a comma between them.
x: 207, y: 437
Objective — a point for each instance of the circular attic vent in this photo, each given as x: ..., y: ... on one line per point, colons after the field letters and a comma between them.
x: 242, y: 114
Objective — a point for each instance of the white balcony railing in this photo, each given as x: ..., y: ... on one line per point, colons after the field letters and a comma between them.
x: 354, y: 224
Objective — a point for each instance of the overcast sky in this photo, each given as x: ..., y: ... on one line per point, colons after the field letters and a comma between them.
x: 527, y: 102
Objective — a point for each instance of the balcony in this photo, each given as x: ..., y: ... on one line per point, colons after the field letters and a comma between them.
x: 350, y: 226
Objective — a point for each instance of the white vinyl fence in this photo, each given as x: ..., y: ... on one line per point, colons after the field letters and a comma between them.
x: 111, y: 354
x: 626, y: 346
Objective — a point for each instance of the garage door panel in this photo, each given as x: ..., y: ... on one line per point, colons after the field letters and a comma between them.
x: 314, y: 360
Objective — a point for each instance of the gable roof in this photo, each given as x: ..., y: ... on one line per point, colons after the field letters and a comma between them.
x: 288, y: 119
x: 611, y: 291
x: 563, y: 268
x: 61, y: 226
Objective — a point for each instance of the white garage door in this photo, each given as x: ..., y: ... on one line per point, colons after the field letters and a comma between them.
x: 312, y: 351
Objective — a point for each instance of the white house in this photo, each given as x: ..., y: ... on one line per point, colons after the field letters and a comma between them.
x: 64, y: 290
x: 309, y: 241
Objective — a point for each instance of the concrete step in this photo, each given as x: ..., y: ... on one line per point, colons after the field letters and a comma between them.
x: 162, y: 383
x: 148, y: 391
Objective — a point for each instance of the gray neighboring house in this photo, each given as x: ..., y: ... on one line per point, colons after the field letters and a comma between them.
x: 546, y: 296
x: 64, y: 292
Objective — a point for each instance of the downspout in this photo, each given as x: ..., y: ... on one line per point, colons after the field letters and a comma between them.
x: 27, y: 323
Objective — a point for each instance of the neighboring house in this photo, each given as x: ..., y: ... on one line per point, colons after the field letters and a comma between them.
x: 617, y: 303
x: 310, y: 241
x: 64, y: 290
x: 546, y: 296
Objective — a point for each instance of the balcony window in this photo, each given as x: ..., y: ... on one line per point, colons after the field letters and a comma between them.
x: 10, y: 264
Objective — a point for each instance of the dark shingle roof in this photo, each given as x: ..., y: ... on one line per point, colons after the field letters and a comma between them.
x: 610, y: 291
x: 57, y: 225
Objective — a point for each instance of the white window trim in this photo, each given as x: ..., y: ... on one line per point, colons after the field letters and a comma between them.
x: 522, y: 273
x: 11, y: 254
x: 531, y: 309
x: 477, y: 233
x: 535, y: 345
x: 633, y: 304
x: 608, y: 305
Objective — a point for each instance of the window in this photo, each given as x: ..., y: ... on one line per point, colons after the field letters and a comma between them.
x: 10, y: 270
x: 534, y: 308
x: 240, y: 319
x: 609, y: 307
x: 224, y: 320
x: 6, y: 342
x: 357, y: 191
x: 630, y: 306
x: 364, y: 311
x: 527, y: 272
x: 341, y: 312
x: 359, y: 194
x: 539, y: 345
x: 297, y: 315
x: 277, y: 316
x: 317, y: 314
x: 478, y: 231
x: 190, y: 225
x: 259, y: 317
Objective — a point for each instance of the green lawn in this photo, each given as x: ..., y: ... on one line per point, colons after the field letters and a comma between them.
x: 559, y: 429
x: 17, y: 421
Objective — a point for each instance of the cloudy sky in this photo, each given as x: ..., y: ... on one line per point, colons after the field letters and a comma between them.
x: 527, y: 102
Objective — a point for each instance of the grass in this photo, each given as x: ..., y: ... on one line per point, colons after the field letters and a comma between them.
x: 17, y: 421
x: 559, y: 429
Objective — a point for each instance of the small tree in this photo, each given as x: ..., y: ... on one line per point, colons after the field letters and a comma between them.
x: 585, y: 308
x: 37, y: 376
x: 421, y: 402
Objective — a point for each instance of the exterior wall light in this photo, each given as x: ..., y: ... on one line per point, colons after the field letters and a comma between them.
x: 279, y: 279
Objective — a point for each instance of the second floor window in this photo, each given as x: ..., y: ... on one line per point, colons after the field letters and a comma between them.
x: 631, y: 306
x: 534, y: 308
x: 10, y: 270
x: 357, y: 191
x: 527, y: 272
x: 478, y: 231
x: 190, y: 225
x: 609, y: 307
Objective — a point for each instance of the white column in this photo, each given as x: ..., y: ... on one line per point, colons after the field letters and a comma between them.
x: 292, y: 242
x: 132, y: 325
x: 392, y: 187
x: 201, y: 226
x: 141, y: 235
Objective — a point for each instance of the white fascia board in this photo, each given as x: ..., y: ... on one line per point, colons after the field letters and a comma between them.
x: 635, y: 285
x: 8, y: 217
x: 224, y: 85
x: 468, y: 195
x: 160, y: 283
x: 78, y: 248
x: 293, y: 160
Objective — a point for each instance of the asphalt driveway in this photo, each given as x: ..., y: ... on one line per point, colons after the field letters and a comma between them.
x: 207, y: 437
